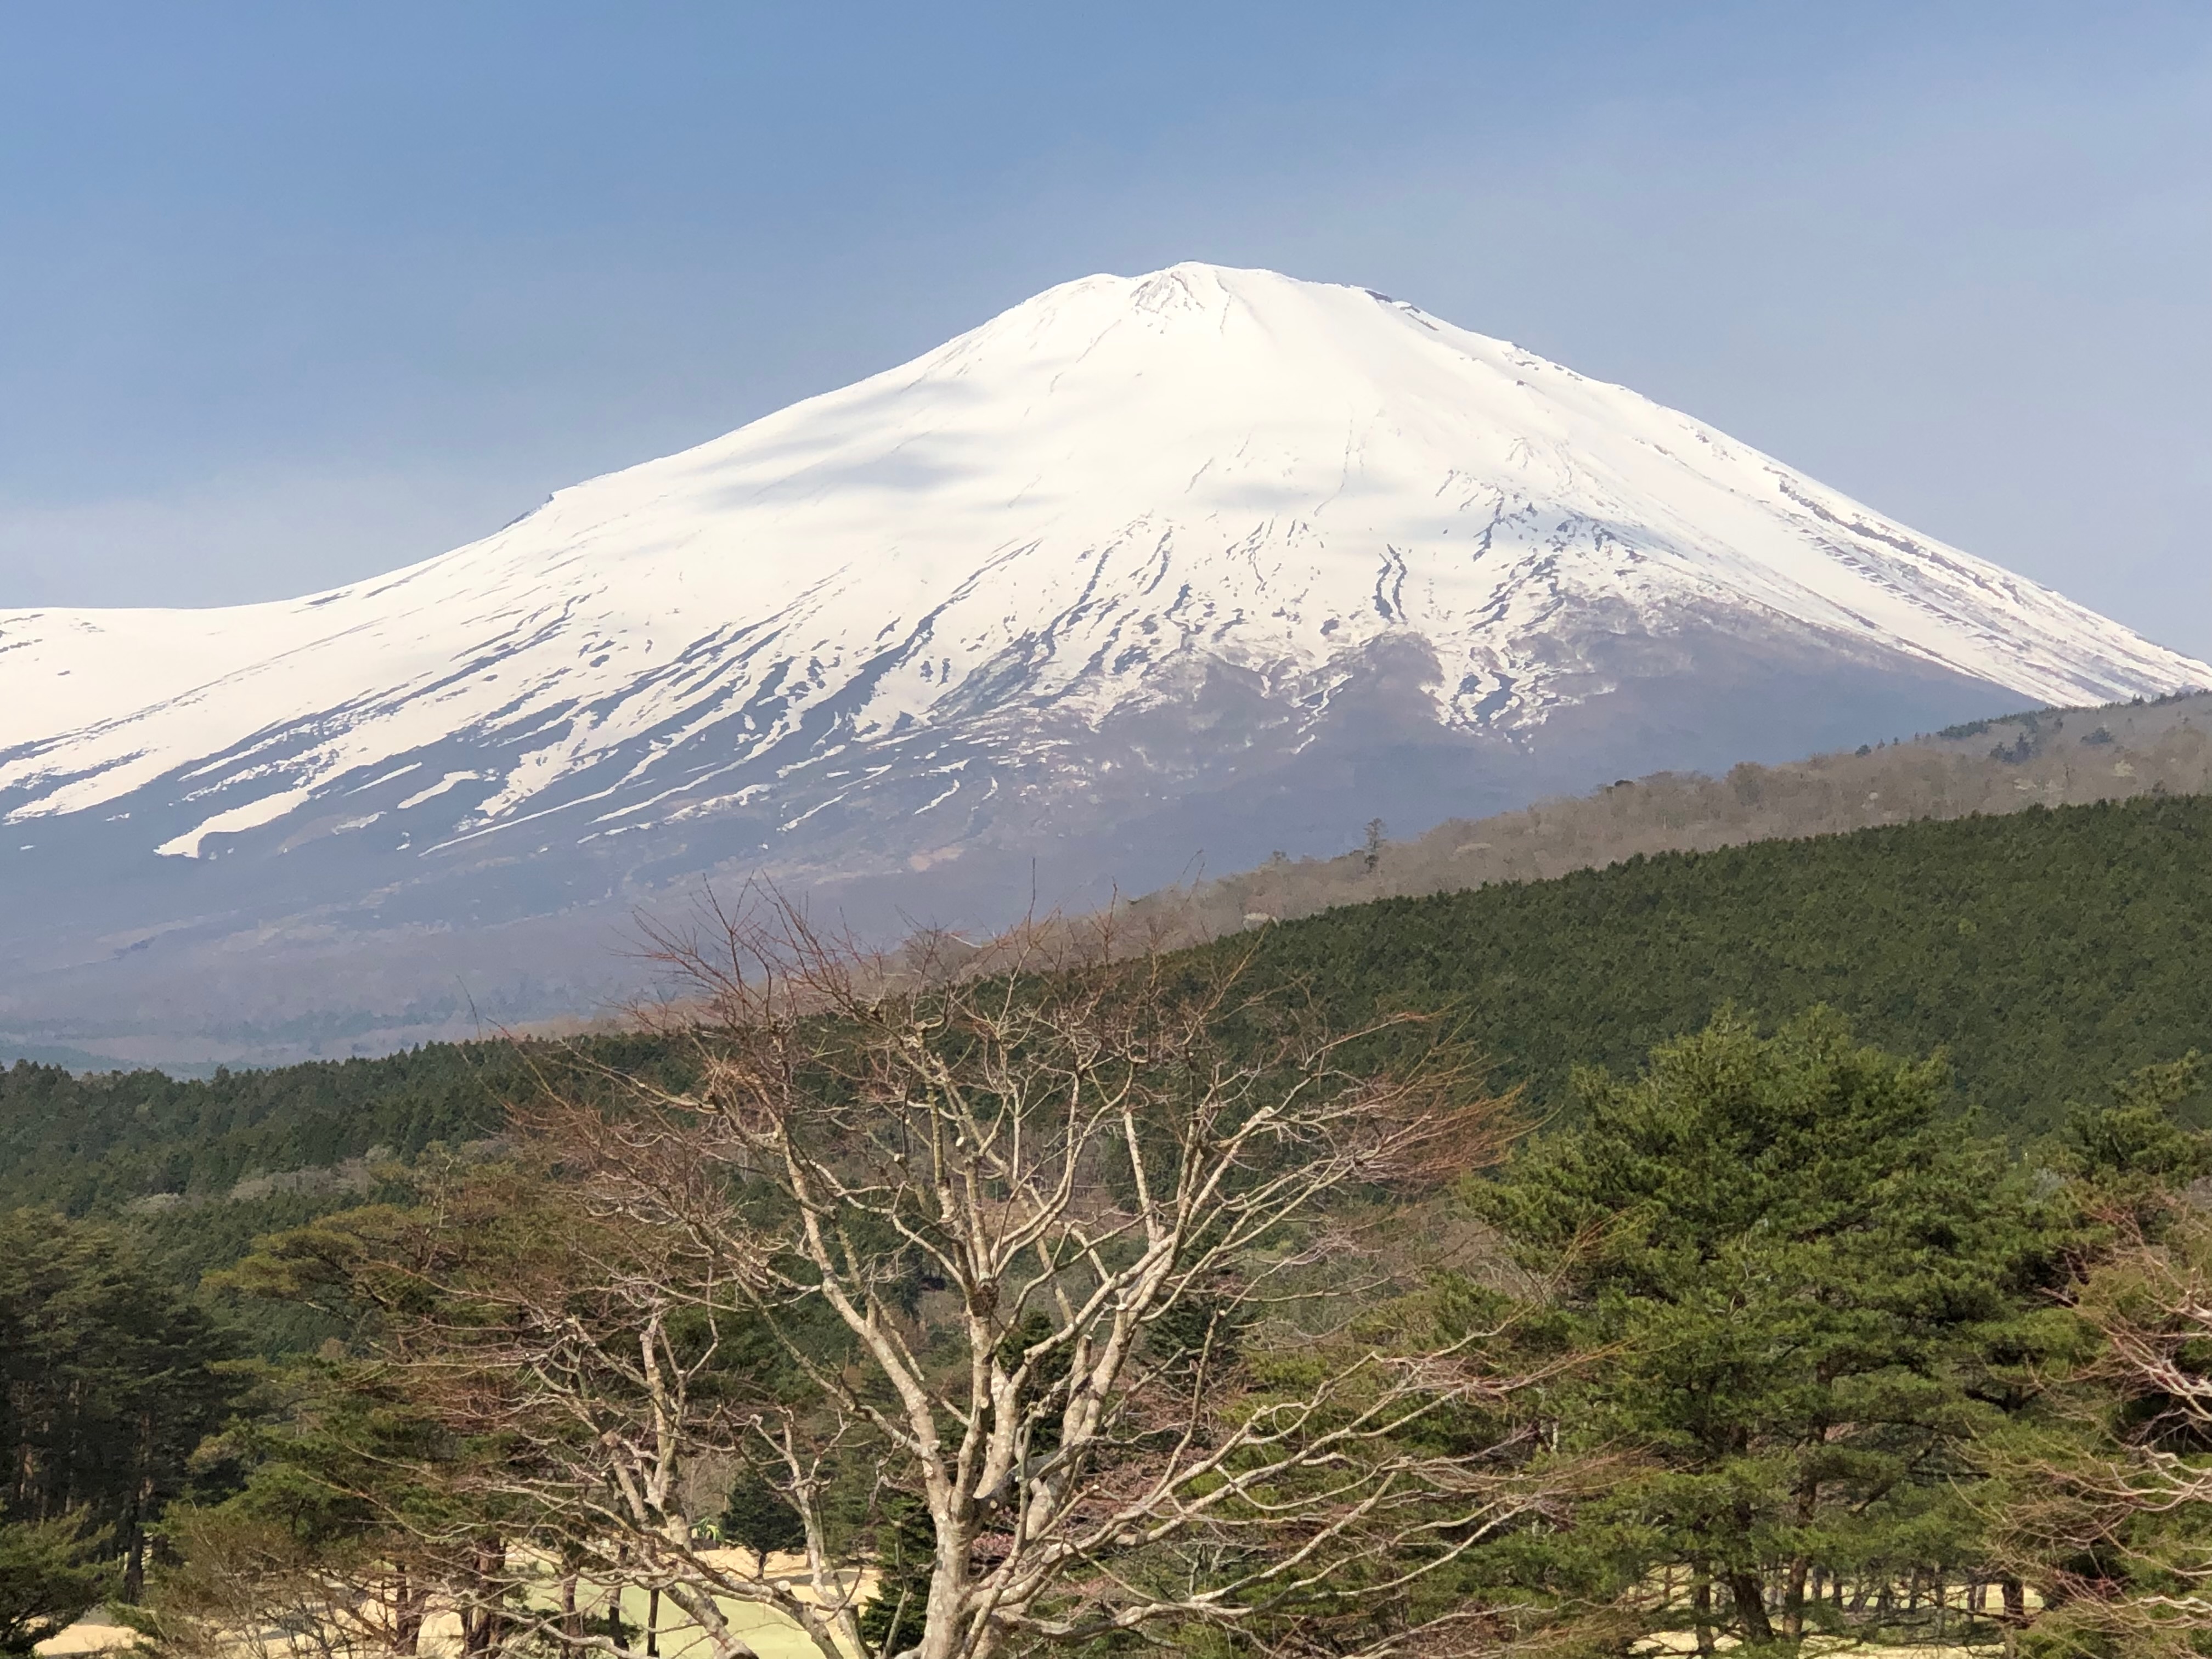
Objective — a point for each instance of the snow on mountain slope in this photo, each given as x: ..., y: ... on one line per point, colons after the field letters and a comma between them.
x: 1116, y: 474
x: 911, y: 611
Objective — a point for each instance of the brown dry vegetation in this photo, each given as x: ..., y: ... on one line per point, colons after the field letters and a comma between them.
x: 2051, y: 758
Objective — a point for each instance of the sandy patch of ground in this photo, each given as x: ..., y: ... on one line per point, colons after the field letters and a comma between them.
x: 93, y: 1634
x: 771, y: 1633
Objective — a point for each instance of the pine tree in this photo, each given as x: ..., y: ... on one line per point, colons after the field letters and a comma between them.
x: 109, y: 1380
x: 758, y: 1517
x: 48, y: 1579
x: 1811, y: 1284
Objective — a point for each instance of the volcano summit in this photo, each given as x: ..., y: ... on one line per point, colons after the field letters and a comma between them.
x: 1205, y: 563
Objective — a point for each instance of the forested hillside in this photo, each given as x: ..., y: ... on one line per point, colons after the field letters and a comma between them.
x: 150, y: 1143
x: 2048, y: 952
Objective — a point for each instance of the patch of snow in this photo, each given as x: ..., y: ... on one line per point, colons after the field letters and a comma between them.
x: 251, y: 816
x: 436, y: 789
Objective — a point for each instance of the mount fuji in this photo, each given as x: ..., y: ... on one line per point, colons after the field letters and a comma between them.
x: 1145, y: 570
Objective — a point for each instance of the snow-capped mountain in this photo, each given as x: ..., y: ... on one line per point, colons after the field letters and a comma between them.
x: 1207, y: 560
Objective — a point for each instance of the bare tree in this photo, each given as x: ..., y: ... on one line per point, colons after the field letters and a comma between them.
x: 1057, y: 1256
x: 2102, y: 1508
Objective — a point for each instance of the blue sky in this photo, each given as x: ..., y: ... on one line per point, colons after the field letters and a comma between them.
x: 290, y: 292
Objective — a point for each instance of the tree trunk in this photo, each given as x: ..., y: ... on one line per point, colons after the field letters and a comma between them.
x: 572, y: 1622
x: 2015, y: 1614
x: 653, y: 1623
x: 480, y: 1619
x: 1751, y: 1607
x: 1701, y: 1605
x: 134, y: 1560
x: 1793, y: 1593
x: 410, y: 1605
x: 142, y: 1497
x: 1793, y: 1602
